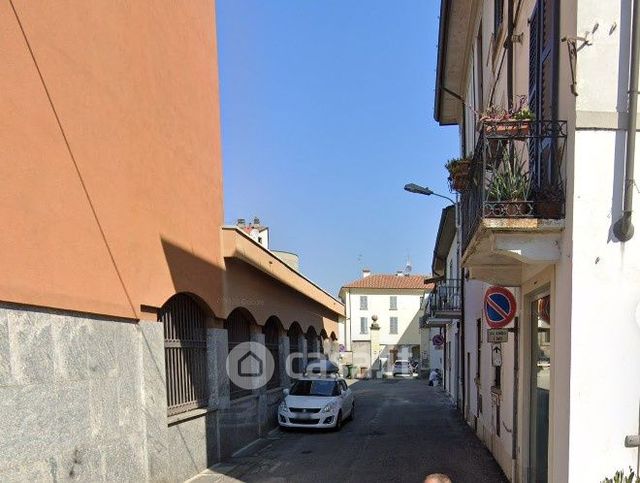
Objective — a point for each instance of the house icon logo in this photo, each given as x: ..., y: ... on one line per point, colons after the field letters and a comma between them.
x: 250, y: 365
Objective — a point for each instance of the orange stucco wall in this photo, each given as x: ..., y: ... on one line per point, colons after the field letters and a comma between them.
x: 126, y: 210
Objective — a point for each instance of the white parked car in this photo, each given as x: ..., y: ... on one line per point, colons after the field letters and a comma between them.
x: 316, y: 402
x: 402, y: 368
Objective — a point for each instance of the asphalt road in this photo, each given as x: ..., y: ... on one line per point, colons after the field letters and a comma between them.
x: 403, y: 430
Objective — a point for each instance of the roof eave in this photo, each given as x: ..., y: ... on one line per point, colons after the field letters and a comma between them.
x: 442, y: 51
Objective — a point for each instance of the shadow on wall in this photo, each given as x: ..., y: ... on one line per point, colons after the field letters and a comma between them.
x: 195, y: 275
x: 191, y: 444
x: 410, y: 338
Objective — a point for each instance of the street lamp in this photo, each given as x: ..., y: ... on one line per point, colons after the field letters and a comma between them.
x: 423, y: 190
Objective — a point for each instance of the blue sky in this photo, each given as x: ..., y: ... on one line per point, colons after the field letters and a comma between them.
x: 327, y: 111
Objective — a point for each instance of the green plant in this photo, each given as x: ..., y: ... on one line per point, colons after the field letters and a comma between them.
x: 553, y: 192
x: 524, y: 114
x: 519, y: 112
x: 455, y: 165
x: 620, y: 477
x: 510, y: 182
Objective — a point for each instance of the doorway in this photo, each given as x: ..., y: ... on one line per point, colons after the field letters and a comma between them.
x: 540, y: 388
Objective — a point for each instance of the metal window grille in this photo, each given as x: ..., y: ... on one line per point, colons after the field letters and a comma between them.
x: 294, y: 334
x: 312, y: 343
x: 185, y: 350
x: 393, y: 325
x: 271, y: 341
x: 238, y: 328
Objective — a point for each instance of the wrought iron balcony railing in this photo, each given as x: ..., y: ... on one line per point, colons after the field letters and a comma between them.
x: 446, y: 297
x: 516, y: 172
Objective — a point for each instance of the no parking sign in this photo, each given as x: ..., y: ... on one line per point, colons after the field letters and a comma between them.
x: 499, y: 307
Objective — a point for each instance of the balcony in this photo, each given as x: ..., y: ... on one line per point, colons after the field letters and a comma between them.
x: 512, y: 203
x: 446, y: 300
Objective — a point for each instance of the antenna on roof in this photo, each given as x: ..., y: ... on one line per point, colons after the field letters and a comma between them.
x: 408, y: 266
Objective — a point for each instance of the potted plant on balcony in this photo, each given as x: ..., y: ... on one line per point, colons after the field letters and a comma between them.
x: 459, y: 170
x: 549, y: 200
x: 514, y: 123
x: 508, y: 190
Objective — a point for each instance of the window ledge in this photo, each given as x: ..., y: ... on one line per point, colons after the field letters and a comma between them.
x: 188, y: 415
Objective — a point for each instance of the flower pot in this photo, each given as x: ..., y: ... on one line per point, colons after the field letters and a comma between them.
x: 509, y: 129
x: 460, y: 182
x: 551, y: 210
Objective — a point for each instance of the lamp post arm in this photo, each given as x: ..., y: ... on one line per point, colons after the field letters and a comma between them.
x: 443, y: 197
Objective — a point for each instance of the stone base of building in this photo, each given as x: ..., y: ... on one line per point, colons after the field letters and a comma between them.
x: 84, y: 397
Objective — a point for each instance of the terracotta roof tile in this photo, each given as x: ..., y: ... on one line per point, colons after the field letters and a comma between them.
x: 391, y: 281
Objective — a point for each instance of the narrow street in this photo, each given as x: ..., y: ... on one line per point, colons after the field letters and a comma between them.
x: 403, y: 430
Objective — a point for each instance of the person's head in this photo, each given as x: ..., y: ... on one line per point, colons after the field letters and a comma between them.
x: 437, y: 478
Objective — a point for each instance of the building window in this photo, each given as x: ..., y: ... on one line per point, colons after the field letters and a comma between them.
x: 393, y: 302
x: 295, y: 333
x: 185, y: 354
x: 271, y: 331
x: 364, y: 325
x: 393, y: 325
x: 498, y: 14
x: 238, y: 326
x: 364, y: 302
x: 312, y: 344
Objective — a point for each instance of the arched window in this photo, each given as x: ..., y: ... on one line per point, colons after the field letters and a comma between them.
x: 271, y: 331
x: 294, y: 333
x: 312, y: 343
x: 321, y: 340
x: 185, y: 353
x: 238, y: 326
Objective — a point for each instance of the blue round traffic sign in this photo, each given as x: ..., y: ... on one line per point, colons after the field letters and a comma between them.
x: 438, y: 340
x: 499, y: 307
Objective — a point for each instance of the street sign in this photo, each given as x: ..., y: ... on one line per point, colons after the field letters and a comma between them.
x: 499, y: 307
x: 438, y: 340
x: 497, y: 336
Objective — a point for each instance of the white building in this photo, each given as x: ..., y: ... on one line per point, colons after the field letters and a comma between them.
x: 440, y: 327
x: 260, y: 233
x: 566, y: 395
x: 395, y: 302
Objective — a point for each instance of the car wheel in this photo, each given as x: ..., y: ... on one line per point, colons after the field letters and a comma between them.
x: 338, y: 422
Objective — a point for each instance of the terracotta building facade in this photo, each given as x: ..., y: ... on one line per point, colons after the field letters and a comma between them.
x: 122, y: 293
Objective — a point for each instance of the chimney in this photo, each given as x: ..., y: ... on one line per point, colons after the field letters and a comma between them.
x: 399, y: 273
x: 256, y: 221
x: 241, y: 223
x: 365, y: 272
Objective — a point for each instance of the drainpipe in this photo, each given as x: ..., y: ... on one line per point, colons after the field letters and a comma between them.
x: 623, y: 229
